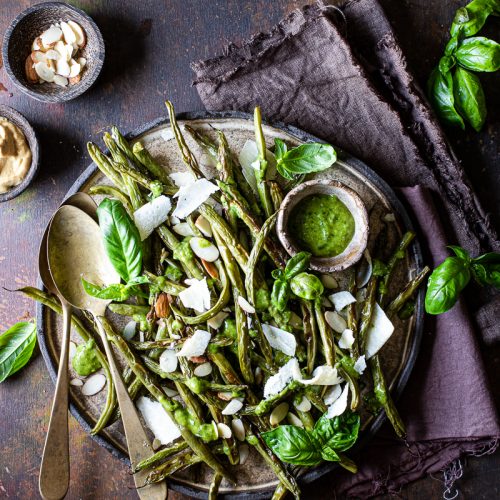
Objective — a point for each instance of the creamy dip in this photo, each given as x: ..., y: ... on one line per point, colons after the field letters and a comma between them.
x: 15, y: 155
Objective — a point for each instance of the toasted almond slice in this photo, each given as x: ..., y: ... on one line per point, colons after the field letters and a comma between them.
x: 233, y: 407
x: 336, y: 321
x: 38, y: 56
x: 224, y: 430
x: 31, y: 74
x: 74, y: 68
x: 294, y: 420
x: 62, y: 67
x: 94, y: 384
x: 244, y: 452
x: 61, y: 50
x: 52, y: 54
x: 51, y: 36
x: 44, y: 72
x: 171, y: 393
x: 62, y: 81
x: 210, y: 268
x: 69, y: 34
x: 203, y: 370
x: 75, y: 79
x: 225, y: 396
x: 278, y: 414
x: 82, y: 62
x: 79, y: 33
x: 69, y: 51
x: 204, y: 249
x: 76, y: 382
x: 204, y: 226
x: 183, y: 229
x: 238, y: 429
x: 36, y: 45
x: 329, y: 281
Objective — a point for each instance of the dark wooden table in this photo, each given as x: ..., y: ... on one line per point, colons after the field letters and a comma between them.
x: 149, y: 46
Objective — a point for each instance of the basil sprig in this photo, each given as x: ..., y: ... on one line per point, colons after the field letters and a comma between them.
x: 16, y: 348
x: 329, y: 437
x: 304, y: 159
x: 454, y: 273
x: 121, y: 239
x: 118, y: 292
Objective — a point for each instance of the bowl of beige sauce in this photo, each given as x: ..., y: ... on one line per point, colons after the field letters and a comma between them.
x: 18, y: 153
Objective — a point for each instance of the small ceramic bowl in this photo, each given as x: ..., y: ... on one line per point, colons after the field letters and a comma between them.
x: 17, y: 119
x: 30, y: 24
x: 350, y: 199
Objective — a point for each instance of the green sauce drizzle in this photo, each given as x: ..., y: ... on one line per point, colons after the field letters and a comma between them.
x: 85, y: 360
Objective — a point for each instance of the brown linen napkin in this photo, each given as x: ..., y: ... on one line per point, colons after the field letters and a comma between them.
x: 344, y: 78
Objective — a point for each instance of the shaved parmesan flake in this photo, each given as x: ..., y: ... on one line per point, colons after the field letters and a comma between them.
x: 196, y: 344
x: 245, y: 305
x: 197, y: 296
x: 249, y: 162
x: 151, y: 215
x: 336, y: 321
x: 332, y: 394
x: 365, y: 270
x: 234, y: 406
x: 347, y: 339
x: 157, y: 419
x: 323, y: 375
x: 341, y: 300
x: 192, y: 196
x: 360, y: 365
x: 340, y: 405
x: 216, y: 321
x: 182, y: 179
x: 379, y: 331
x: 280, y: 339
x: 168, y: 360
x: 288, y: 372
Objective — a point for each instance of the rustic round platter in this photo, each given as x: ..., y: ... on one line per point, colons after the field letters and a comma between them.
x: 255, y: 480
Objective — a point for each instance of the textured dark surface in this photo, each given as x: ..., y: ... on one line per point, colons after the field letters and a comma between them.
x: 149, y: 46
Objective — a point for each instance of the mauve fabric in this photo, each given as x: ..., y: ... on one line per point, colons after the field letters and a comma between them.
x: 341, y: 75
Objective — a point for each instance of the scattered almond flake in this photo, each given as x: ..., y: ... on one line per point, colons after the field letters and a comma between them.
x: 183, y: 228
x: 336, y: 321
x: 171, y: 393
x: 340, y: 405
x: 224, y: 431
x: 278, y: 414
x: 36, y: 44
x: 60, y: 80
x: 62, y: 67
x: 94, y: 384
x: 182, y: 179
x: 390, y: 217
x: 192, y: 196
x: 303, y: 405
x: 128, y: 332
x: 203, y: 370
x: 38, y: 56
x: 204, y: 249
x: 156, y: 444
x: 360, y: 365
x: 51, y: 36
x: 238, y: 429
x: 204, y: 226
x: 225, y: 396
x: 168, y: 361
x: 325, y: 302
x: 52, y: 54
x: 216, y: 321
x: 379, y: 331
x: 68, y: 33
x: 347, y: 339
x: 44, y: 72
x: 332, y: 394
x: 294, y: 420
x: 60, y: 48
x: 280, y: 339
x: 82, y: 62
x: 196, y: 344
x: 72, y: 350
x: 151, y: 215
x: 341, y: 300
x: 329, y: 281
x: 277, y: 382
x: 78, y: 31
x: 246, y: 306
x: 365, y: 270
x: 244, y: 452
x: 234, y: 406
x: 157, y: 420
x: 74, y: 68
x: 76, y: 382
x: 196, y: 296
x: 323, y: 375
x: 259, y: 376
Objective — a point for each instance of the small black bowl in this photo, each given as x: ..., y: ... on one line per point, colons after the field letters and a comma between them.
x: 18, y: 119
x: 30, y: 24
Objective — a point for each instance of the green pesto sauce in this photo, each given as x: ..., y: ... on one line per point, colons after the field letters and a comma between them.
x: 322, y: 225
x: 85, y: 360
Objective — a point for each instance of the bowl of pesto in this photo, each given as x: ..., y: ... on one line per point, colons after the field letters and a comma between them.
x: 327, y: 219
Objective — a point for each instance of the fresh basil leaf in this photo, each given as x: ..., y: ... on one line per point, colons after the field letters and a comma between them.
x: 304, y: 159
x: 469, y: 98
x: 293, y: 445
x: 471, y: 18
x: 440, y: 92
x: 306, y: 286
x: 16, y: 348
x: 121, y: 239
x: 451, y: 46
x: 488, y: 258
x: 338, y: 433
x: 479, y: 54
x: 117, y: 292
x: 445, y: 284
x: 487, y: 274
x: 280, y: 294
x: 298, y: 263
x: 460, y: 252
x: 277, y: 274
x: 329, y: 454
x: 446, y: 63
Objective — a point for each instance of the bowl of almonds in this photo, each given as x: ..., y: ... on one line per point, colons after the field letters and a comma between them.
x: 53, y: 52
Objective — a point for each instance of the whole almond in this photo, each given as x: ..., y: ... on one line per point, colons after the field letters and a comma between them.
x: 162, y: 306
x: 211, y: 269
x: 31, y: 75
x: 198, y: 360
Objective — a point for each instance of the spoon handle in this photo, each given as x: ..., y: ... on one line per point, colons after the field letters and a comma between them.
x: 54, y: 470
x: 139, y: 447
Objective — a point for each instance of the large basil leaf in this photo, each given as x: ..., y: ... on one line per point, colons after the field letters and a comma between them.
x: 479, y: 54
x: 469, y: 98
x: 304, y: 159
x: 293, y: 445
x: 121, y: 239
x: 338, y: 433
x: 306, y: 286
x: 16, y: 348
x: 440, y: 91
x: 445, y: 284
x: 471, y: 18
x: 487, y: 274
x: 298, y: 263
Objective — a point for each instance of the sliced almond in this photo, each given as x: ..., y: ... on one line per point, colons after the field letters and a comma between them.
x: 245, y: 305
x: 224, y: 431
x: 37, y: 44
x: 225, y: 396
x: 76, y: 382
x: 62, y: 68
x: 203, y: 370
x: 204, y: 249
x: 336, y: 321
x: 94, y: 384
x: 183, y: 229
x: 51, y: 36
x: 52, y: 54
x: 210, y: 268
x: 61, y: 49
x: 31, y: 74
x: 244, y: 452
x: 62, y: 81
x: 81, y: 38
x: 278, y: 414
x: 303, y: 405
x: 233, y: 407
x: 82, y: 61
x: 294, y: 420
x: 68, y: 33
x: 198, y: 360
x: 44, y: 72
x: 75, y: 79
x: 204, y: 226
x: 38, y: 56
x: 238, y: 429
x: 329, y: 281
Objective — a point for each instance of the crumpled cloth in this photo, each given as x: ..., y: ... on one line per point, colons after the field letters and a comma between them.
x: 341, y: 75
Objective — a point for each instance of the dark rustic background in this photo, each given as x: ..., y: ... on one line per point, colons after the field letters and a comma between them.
x: 149, y: 46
